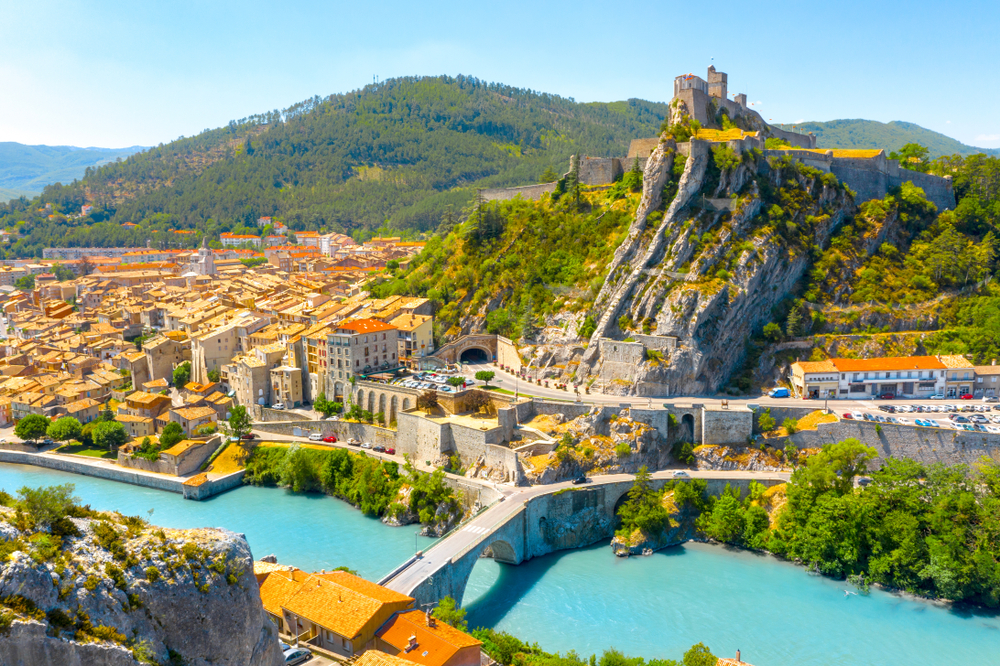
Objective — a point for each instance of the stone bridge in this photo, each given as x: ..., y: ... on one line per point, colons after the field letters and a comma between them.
x: 531, y: 523
x: 388, y: 399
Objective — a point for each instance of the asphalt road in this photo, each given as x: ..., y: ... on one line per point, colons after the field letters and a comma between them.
x: 514, y: 498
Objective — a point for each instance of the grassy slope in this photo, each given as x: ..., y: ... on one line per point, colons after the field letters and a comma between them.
x: 890, y: 136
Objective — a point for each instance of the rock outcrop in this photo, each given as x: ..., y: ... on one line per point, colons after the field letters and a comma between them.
x: 709, y: 274
x: 680, y: 528
x: 118, y: 592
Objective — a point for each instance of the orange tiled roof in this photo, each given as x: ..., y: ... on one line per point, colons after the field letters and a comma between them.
x: 955, y: 361
x: 890, y: 363
x: 366, y: 326
x: 332, y: 606
x: 817, y: 366
x: 435, y: 645
x: 379, y: 658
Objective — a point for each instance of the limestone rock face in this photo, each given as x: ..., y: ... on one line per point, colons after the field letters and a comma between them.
x: 738, y: 458
x: 118, y: 592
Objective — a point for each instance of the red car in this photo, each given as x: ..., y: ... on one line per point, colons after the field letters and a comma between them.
x: 249, y: 435
x: 887, y: 396
x: 967, y: 396
x: 847, y: 415
x: 391, y: 451
x: 330, y: 439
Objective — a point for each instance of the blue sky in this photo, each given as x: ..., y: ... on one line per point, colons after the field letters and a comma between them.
x: 113, y: 74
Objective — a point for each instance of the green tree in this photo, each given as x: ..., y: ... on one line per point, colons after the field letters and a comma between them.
x: 766, y: 421
x: 214, y: 375
x: 643, y: 510
x: 64, y: 429
x: 47, y: 505
x: 456, y: 381
x: 911, y: 156
x: 110, y: 435
x: 182, y: 374
x: 62, y: 273
x: 240, y: 422
x: 548, y: 176
x: 793, y: 322
x: 449, y: 612
x: 588, y: 327
x: 31, y: 427
x: 699, y: 655
x: 790, y: 425
x: 485, y: 376
x: 773, y: 332
x: 26, y: 283
x: 172, y: 433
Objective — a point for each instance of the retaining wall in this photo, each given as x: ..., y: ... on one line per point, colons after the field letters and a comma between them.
x: 214, y: 487
x: 926, y: 445
x: 527, y: 192
x: 169, y: 484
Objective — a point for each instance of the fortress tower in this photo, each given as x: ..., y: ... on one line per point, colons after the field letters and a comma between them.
x: 717, y: 83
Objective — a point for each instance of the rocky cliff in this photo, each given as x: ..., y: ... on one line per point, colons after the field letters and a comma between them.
x: 107, y: 590
x: 736, y: 234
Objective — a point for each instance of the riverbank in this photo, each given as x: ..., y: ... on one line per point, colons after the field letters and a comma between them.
x: 196, y: 487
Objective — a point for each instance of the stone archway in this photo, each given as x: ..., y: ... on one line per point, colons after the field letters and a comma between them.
x: 381, y: 405
x: 393, y: 406
x: 359, y: 399
x: 406, y: 404
x: 475, y: 355
x: 501, y: 551
x: 686, y: 433
x: 371, y: 402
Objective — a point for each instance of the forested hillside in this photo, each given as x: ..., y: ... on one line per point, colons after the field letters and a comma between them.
x: 405, y: 152
x: 889, y: 136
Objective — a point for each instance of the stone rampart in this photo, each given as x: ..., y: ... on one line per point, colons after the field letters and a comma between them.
x: 526, y: 192
x: 214, y: 486
x: 726, y: 426
x: 343, y: 430
x: 100, y: 471
x: 938, y: 191
x: 926, y: 445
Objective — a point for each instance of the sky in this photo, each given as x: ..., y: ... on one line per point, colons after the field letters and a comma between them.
x: 115, y: 74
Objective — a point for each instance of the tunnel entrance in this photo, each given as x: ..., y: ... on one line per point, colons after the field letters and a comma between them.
x: 475, y: 355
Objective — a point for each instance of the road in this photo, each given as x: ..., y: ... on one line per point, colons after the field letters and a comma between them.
x: 515, y: 498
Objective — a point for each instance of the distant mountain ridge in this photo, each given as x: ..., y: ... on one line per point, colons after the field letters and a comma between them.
x: 28, y: 169
x: 858, y: 133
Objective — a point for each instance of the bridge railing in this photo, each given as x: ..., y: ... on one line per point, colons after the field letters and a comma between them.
x: 483, y: 537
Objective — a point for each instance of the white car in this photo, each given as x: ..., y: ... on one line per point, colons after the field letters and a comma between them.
x: 904, y: 409
x: 315, y: 437
x: 680, y: 474
x: 278, y: 405
x: 934, y: 423
x: 366, y: 445
x: 903, y: 421
x: 857, y: 416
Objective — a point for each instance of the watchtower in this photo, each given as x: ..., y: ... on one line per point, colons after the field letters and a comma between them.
x: 717, y: 83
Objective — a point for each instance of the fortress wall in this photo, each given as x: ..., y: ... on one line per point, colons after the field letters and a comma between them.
x: 726, y: 426
x: 507, y: 353
x: 527, y: 192
x: 938, y: 190
x: 599, y: 170
x: 821, y: 161
x: 867, y: 183
x: 794, y: 138
x: 641, y: 148
x: 657, y: 342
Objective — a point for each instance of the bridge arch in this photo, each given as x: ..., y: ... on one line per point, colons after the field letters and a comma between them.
x: 371, y: 401
x: 359, y: 399
x: 393, y: 406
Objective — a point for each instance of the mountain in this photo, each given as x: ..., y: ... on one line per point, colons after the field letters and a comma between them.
x: 28, y: 169
x: 402, y: 151
x: 890, y: 136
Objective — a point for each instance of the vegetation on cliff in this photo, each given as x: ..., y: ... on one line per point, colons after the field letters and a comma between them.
x: 366, y: 482
x: 529, y: 258
x: 406, y: 151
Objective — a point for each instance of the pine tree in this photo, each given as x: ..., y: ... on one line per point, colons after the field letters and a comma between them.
x: 792, y: 324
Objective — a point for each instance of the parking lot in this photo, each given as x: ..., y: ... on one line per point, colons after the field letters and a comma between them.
x: 440, y: 380
x: 970, y: 416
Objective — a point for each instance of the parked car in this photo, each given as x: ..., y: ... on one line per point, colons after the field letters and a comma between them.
x: 902, y: 421
x: 391, y: 451
x: 366, y: 445
x: 887, y: 396
x: 330, y: 439
x: 278, y: 405
x: 922, y: 423
x: 779, y: 392
x: 857, y: 416
x: 315, y: 437
x: 353, y: 442
x: 378, y: 448
x: 966, y: 396
x: 297, y: 656
x: 864, y: 481
x: 937, y: 396
x: 581, y: 479
x: 249, y: 435
x: 955, y: 418
x: 934, y: 424
x: 905, y: 409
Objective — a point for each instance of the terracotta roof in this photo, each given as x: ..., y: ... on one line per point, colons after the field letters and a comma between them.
x: 817, y: 366
x: 988, y: 369
x: 332, y: 606
x: 955, y: 361
x: 435, y: 645
x: 379, y: 658
x: 891, y: 363
x: 366, y: 326
x: 191, y: 413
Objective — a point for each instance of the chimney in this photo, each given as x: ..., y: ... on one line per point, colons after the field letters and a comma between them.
x: 411, y: 644
x: 430, y: 619
x: 738, y: 657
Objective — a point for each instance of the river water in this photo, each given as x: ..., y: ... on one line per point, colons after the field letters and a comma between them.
x: 588, y: 600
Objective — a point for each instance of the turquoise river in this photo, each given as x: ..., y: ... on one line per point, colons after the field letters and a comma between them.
x: 588, y: 600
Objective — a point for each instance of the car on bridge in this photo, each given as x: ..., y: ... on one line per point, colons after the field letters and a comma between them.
x: 581, y: 479
x: 680, y: 474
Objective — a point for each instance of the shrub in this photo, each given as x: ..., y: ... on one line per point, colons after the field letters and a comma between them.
x: 791, y: 425
x: 47, y: 505
x: 623, y: 450
x: 766, y: 421
x: 152, y: 574
x: 683, y: 452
